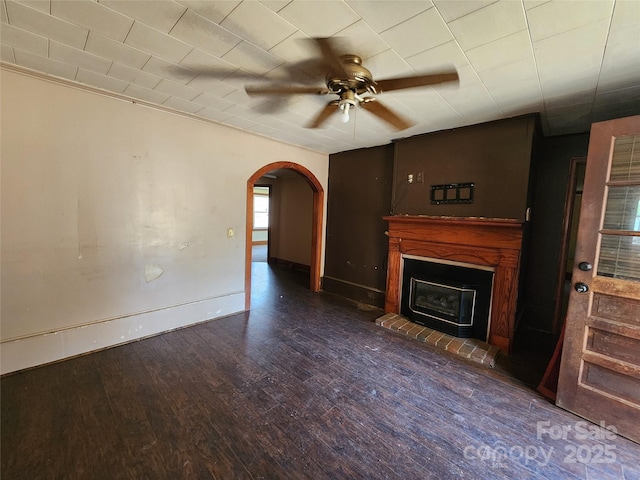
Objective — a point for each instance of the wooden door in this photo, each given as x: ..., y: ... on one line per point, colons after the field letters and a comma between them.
x: 600, y: 369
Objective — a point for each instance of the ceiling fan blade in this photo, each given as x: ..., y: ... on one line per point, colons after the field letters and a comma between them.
x: 331, y: 57
x: 415, y: 81
x: 386, y: 114
x: 284, y: 90
x: 324, y: 114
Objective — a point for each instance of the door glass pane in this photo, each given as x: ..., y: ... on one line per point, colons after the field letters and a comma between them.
x: 626, y: 159
x: 619, y: 257
x: 620, y: 253
x: 622, y: 209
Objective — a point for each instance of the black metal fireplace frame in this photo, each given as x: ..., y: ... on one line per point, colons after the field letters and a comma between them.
x: 454, y: 276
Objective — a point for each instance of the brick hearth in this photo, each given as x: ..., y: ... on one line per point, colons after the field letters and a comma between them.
x: 470, y: 348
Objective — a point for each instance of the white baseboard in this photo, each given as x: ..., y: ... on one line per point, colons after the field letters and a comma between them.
x: 45, y: 348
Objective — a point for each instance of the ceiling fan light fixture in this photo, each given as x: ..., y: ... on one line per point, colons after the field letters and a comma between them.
x: 347, y: 102
x: 344, y: 115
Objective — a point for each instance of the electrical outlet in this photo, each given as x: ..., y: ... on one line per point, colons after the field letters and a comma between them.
x: 420, y: 177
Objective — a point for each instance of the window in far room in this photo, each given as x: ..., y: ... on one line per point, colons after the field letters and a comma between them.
x: 260, y: 207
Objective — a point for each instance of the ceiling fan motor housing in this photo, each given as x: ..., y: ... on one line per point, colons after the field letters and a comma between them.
x: 358, y: 79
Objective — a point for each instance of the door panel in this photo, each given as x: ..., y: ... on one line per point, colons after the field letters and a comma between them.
x: 600, y: 369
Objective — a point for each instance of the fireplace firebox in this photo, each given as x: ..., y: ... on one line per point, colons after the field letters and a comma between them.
x: 452, y: 299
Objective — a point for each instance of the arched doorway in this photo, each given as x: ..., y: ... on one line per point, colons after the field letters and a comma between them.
x: 316, y: 226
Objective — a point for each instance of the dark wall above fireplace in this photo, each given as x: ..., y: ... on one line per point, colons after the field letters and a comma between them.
x: 495, y: 156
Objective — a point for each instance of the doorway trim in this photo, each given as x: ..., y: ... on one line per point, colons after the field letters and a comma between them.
x: 558, y: 319
x: 316, y: 224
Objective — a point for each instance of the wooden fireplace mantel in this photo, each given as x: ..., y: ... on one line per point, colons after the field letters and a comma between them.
x: 491, y: 242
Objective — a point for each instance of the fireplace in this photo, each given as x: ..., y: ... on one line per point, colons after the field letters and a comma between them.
x: 451, y: 298
x: 482, y: 244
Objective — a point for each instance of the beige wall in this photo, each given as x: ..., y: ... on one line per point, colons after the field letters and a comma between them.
x: 115, y: 218
x: 292, y: 239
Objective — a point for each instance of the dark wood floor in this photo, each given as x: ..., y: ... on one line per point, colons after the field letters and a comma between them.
x: 303, y: 386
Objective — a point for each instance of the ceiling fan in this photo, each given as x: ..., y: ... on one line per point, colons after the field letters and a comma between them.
x: 355, y: 87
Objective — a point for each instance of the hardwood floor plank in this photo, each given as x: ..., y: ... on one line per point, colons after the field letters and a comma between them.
x: 304, y: 386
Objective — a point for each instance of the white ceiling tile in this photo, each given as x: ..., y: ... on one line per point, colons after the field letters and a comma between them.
x: 73, y: 56
x: 251, y: 58
x: 275, y: 5
x: 578, y: 50
x: 146, y: 94
x: 258, y: 24
x: 157, y: 43
x: 490, y: 23
x: 388, y: 64
x: 6, y: 54
x: 101, y: 81
x: 382, y: 15
x: 239, y: 122
x: 570, y: 99
x: 132, y: 75
x: 177, y: 90
x: 620, y: 70
x: 197, y: 59
x: 240, y: 98
x: 510, y: 74
x: 119, y: 52
x: 211, y: 101
x: 626, y: 14
x: 214, y: 11
x: 241, y: 78
x: 287, y: 73
x: 429, y: 103
x: 46, y: 25
x: 93, y: 15
x: 422, y: 32
x: 202, y: 33
x: 213, y: 114
x: 24, y: 40
x: 319, y: 18
x: 552, y: 18
x: 362, y: 40
x: 558, y: 86
x: 471, y: 100
x: 161, y: 15
x: 529, y: 4
x: 442, y: 57
x: 518, y: 94
x: 451, y: 10
x: 42, y: 5
x: 182, y: 105
x: 162, y: 68
x: 46, y: 65
x: 512, y: 48
x: 295, y: 48
x: 211, y: 85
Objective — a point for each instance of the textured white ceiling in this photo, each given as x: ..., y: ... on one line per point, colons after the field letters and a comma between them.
x: 575, y: 62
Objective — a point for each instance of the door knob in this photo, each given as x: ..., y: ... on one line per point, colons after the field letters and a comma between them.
x: 585, y: 266
x: 581, y: 287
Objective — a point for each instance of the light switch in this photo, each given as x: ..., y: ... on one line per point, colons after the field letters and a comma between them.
x: 229, y: 232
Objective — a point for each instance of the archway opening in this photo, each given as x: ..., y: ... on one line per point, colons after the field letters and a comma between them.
x: 316, y: 223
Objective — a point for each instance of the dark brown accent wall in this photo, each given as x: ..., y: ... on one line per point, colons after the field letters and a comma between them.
x: 356, y: 247
x: 550, y: 188
x: 495, y: 156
